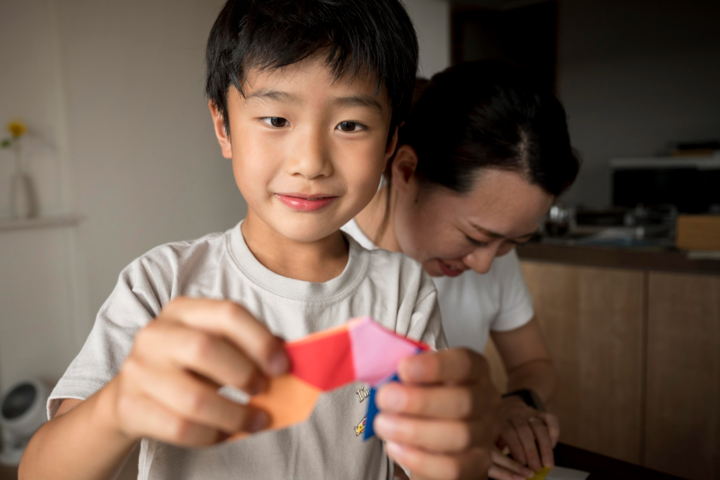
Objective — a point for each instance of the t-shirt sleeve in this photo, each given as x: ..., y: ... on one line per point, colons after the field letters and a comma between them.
x: 516, y: 308
x: 134, y: 302
x: 426, y: 321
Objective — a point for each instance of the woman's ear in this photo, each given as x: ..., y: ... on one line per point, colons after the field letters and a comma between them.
x: 221, y: 133
x: 403, y: 168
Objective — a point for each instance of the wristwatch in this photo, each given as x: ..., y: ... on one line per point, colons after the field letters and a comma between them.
x: 530, y: 398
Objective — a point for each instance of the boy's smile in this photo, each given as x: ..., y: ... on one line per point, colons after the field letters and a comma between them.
x: 308, y: 151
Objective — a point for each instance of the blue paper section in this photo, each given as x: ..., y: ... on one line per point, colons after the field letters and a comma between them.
x: 372, y: 409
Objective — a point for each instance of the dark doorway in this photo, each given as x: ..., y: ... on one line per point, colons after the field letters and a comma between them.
x: 525, y: 35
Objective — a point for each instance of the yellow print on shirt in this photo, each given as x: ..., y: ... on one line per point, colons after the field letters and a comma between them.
x: 360, y: 428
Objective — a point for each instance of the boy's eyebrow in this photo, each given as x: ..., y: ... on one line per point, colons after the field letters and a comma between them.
x: 275, y: 95
x: 359, y: 100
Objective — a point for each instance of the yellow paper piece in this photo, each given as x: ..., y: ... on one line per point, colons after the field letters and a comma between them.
x: 541, y: 474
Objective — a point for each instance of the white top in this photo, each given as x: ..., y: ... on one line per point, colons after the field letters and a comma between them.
x: 472, y: 304
x: 389, y: 287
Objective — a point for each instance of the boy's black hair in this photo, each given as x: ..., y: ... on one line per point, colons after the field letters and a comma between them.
x: 366, y: 37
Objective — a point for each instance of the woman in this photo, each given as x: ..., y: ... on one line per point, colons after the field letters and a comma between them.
x: 481, y: 160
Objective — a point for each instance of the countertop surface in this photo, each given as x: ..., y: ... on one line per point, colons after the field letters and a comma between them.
x: 629, y: 258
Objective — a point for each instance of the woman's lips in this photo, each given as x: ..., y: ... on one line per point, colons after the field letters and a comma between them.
x: 303, y: 203
x: 447, y: 271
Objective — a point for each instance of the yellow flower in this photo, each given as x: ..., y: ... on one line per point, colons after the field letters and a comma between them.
x: 16, y: 128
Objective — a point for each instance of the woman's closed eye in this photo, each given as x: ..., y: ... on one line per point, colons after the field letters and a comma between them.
x: 477, y: 243
x: 276, y: 122
x: 350, y: 127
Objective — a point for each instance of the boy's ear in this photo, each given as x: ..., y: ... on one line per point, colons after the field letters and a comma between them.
x: 403, y: 168
x: 222, y: 135
x: 390, y: 149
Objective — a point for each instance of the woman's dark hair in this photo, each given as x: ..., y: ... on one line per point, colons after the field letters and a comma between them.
x: 367, y: 37
x: 488, y: 115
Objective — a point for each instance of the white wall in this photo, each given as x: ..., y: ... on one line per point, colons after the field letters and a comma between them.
x: 120, y: 133
x: 432, y: 23
x: 634, y: 75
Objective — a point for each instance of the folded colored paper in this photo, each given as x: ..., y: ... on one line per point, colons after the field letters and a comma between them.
x: 359, y: 351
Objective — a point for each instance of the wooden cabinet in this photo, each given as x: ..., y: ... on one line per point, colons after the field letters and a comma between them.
x: 683, y: 375
x: 638, y: 360
x: 593, y: 322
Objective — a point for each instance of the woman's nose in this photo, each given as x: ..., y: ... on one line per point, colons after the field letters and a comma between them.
x: 310, y: 156
x: 480, y: 259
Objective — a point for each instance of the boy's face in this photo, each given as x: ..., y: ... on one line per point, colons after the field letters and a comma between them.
x: 307, y: 150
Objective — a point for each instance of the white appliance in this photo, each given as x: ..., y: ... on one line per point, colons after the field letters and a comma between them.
x: 22, y: 412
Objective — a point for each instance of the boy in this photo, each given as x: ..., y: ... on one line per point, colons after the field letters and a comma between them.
x: 305, y: 98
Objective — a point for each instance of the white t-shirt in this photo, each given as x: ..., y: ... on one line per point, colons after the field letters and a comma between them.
x: 473, y: 304
x: 386, y: 286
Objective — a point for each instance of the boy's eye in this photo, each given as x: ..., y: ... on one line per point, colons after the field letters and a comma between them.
x: 350, y: 126
x: 277, y: 122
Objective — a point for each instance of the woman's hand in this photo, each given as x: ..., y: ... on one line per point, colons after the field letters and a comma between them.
x: 505, y: 468
x: 529, y: 434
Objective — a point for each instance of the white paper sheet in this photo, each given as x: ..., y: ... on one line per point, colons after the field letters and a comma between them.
x: 560, y: 473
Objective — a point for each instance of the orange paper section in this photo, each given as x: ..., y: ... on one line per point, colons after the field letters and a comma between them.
x: 288, y: 400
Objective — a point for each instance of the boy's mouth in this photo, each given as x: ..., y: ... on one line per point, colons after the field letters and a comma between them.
x: 305, y: 203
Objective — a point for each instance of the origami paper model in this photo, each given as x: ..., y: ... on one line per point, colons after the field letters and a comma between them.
x: 359, y: 351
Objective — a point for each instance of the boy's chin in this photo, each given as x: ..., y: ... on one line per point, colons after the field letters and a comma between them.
x: 306, y: 230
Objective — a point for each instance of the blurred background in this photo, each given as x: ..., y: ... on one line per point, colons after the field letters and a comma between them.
x: 119, y: 156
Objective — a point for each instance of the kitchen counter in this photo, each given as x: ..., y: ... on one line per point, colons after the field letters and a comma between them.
x: 625, y: 258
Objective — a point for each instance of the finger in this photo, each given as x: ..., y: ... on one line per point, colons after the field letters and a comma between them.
x: 542, y: 439
x: 194, y: 400
x: 232, y: 321
x: 453, y: 365
x: 442, y: 436
x: 512, y: 441
x: 142, y: 417
x: 507, y: 463
x: 449, y: 402
x: 553, y: 427
x: 424, y: 464
x: 527, y: 439
x: 169, y: 344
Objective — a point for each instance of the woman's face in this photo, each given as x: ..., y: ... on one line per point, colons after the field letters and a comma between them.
x: 449, y: 233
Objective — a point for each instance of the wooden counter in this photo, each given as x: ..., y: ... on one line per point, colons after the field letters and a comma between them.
x: 625, y: 258
x: 635, y: 337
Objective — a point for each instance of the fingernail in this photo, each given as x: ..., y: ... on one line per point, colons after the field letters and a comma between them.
x: 278, y: 363
x: 384, y: 426
x: 391, y: 398
x: 259, y: 421
x: 528, y: 473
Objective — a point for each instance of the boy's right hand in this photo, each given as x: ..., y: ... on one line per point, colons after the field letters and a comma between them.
x: 168, y: 386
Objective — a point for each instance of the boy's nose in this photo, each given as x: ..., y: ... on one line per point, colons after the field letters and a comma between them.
x: 310, y: 156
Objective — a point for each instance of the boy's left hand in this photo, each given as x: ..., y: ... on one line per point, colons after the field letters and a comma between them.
x: 441, y: 422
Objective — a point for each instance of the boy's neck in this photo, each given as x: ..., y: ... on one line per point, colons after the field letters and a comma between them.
x: 374, y: 224
x: 316, y: 262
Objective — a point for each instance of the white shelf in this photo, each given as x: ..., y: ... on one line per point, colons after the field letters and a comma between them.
x: 10, y: 224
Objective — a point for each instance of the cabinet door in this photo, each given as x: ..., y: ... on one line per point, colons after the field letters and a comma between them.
x: 593, y: 321
x: 683, y: 380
